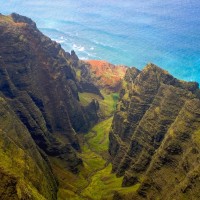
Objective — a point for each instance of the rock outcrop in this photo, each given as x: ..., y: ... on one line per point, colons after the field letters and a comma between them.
x: 152, y: 140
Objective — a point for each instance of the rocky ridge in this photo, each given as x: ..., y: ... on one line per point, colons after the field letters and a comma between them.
x: 39, y: 85
x: 153, y: 134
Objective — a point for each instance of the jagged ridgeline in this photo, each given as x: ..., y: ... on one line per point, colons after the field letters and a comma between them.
x: 49, y: 97
x: 155, y: 135
x: 39, y: 106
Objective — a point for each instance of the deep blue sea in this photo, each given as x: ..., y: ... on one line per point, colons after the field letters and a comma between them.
x: 129, y: 32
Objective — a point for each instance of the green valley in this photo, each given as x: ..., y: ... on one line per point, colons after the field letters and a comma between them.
x: 95, y: 180
x: 90, y: 130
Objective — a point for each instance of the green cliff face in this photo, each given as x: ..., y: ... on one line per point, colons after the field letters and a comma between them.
x: 153, y: 133
x: 38, y: 84
x: 174, y: 171
x: 24, y: 169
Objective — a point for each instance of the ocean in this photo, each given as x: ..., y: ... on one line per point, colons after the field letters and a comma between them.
x: 129, y: 32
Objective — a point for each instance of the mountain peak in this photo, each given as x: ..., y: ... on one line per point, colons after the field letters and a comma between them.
x: 16, y: 20
x: 155, y: 68
x: 22, y: 19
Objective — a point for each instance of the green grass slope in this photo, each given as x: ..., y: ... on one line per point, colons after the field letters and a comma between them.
x: 95, y: 180
x: 107, y: 105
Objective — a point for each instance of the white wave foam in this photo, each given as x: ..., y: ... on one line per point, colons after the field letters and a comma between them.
x: 78, y: 47
x: 102, y: 44
x: 89, y: 54
x: 74, y: 46
x: 84, y: 58
x: 60, y: 41
x: 81, y: 49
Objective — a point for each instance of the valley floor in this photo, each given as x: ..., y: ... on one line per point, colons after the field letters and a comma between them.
x: 95, y: 180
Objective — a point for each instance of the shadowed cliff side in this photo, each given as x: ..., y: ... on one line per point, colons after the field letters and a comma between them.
x: 38, y: 83
x: 24, y: 169
x: 151, y: 103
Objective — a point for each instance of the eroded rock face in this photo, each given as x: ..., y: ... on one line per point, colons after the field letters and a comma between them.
x: 32, y: 70
x: 38, y: 82
x: 155, y: 121
x: 175, y: 168
x: 24, y: 169
x: 84, y: 76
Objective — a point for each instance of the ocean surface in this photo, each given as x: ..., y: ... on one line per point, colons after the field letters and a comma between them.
x: 127, y: 32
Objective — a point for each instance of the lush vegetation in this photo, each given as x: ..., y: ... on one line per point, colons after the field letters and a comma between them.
x: 95, y: 180
x: 107, y: 105
x: 98, y: 137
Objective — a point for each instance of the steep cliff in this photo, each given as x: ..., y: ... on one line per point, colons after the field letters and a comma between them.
x: 153, y: 134
x: 24, y: 169
x: 39, y: 85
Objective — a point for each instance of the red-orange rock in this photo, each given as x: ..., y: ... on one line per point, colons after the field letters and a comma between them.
x: 107, y: 75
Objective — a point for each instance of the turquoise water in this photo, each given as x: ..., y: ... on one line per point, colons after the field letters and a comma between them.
x: 126, y: 32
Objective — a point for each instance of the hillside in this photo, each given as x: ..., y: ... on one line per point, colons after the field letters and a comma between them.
x: 39, y: 85
x: 73, y: 129
x: 154, y: 136
x: 106, y: 75
x: 41, y: 92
